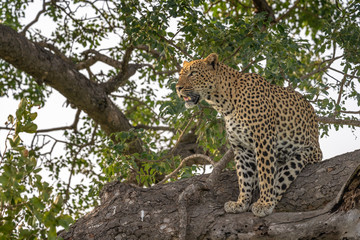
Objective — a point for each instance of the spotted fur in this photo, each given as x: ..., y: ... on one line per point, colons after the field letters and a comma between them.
x: 272, y: 130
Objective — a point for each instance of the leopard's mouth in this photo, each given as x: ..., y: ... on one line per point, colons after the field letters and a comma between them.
x: 191, y: 100
x: 194, y: 99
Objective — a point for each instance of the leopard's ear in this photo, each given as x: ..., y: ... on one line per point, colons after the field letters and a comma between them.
x: 185, y: 63
x: 212, y: 60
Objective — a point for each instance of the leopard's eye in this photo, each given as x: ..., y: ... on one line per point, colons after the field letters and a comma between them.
x: 193, y: 73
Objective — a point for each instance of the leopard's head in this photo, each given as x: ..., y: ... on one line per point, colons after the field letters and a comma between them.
x: 197, y: 79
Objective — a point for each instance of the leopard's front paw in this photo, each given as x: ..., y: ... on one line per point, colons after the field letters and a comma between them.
x: 235, y: 207
x: 262, y: 209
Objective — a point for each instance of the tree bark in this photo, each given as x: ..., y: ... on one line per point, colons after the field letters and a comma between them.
x: 64, y: 77
x: 322, y: 203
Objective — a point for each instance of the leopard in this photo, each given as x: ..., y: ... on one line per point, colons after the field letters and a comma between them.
x: 272, y: 130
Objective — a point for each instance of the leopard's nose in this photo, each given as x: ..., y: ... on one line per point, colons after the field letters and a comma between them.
x: 178, y: 88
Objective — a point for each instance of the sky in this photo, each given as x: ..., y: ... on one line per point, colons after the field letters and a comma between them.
x: 54, y: 114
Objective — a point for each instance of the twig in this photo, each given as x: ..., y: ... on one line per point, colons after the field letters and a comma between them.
x: 286, y: 14
x: 340, y: 94
x: 23, y: 32
x: 73, y: 164
x: 248, y: 66
x: 126, y: 71
x: 332, y: 77
x: 319, y: 69
x: 207, y: 158
x: 211, y: 5
x: 345, y: 74
x: 95, y: 58
x: 146, y: 48
x: 156, y: 128
x: 171, y: 43
x: 67, y: 195
x: 233, y: 54
x: 72, y: 126
x: 3, y: 155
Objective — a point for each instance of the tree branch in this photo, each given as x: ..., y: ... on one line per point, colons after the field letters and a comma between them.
x: 345, y: 74
x: 311, y: 208
x: 219, y: 166
x: 158, y: 55
x: 72, y: 126
x: 331, y: 120
x: 207, y: 158
x: 126, y: 71
x: 319, y: 69
x: 155, y: 53
x: 287, y: 13
x: 89, y: 61
x: 64, y: 77
x: 351, y: 112
x: 340, y: 94
x: 26, y: 28
x: 156, y: 128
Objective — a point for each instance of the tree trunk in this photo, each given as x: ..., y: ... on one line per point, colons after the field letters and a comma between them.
x: 322, y: 203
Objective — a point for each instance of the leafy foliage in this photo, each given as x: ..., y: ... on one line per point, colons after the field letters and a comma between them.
x: 298, y: 49
x: 30, y: 208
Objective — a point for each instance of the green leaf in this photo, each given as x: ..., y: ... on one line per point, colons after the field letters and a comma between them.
x: 7, y: 227
x: 65, y: 221
x: 280, y: 28
x: 4, y: 180
x: 30, y: 128
x: 11, y: 119
x: 21, y: 109
x: 37, y: 203
x: 33, y: 116
x: 16, y: 141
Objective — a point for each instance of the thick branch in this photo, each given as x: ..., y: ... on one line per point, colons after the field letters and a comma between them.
x: 64, y: 77
x: 221, y: 165
x: 308, y: 210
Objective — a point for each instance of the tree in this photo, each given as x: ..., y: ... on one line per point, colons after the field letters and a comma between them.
x: 122, y: 125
